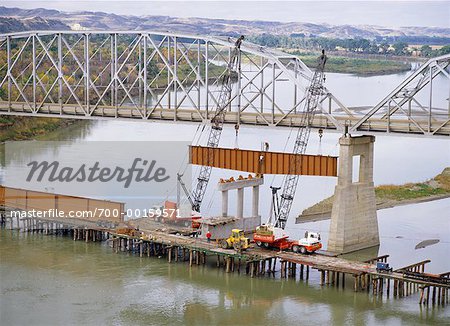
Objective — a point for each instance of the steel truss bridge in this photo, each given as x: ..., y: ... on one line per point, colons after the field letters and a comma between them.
x: 146, y: 75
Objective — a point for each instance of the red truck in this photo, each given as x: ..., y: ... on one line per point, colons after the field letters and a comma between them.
x: 269, y: 236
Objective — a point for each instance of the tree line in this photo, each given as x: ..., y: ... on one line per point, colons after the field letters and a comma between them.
x: 356, y: 45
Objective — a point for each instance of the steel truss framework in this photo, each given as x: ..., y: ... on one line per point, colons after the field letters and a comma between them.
x: 403, y: 100
x: 175, y: 77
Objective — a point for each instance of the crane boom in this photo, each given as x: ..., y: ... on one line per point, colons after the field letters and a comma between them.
x: 183, y: 185
x: 217, y: 124
x: 313, y: 93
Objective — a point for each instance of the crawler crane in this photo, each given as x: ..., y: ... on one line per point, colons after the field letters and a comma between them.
x: 273, y: 235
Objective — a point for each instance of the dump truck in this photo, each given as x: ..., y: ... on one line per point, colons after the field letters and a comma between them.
x: 236, y: 240
x: 269, y: 236
x: 169, y: 213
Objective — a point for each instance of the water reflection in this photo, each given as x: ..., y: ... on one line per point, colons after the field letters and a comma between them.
x: 70, y: 134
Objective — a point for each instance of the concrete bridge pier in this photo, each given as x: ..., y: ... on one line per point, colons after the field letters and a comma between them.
x: 240, y: 185
x: 220, y: 227
x: 354, y: 224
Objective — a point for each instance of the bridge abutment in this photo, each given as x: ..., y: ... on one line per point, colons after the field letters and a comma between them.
x: 354, y: 224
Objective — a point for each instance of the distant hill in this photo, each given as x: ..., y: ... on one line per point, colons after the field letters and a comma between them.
x: 9, y: 25
x: 54, y: 19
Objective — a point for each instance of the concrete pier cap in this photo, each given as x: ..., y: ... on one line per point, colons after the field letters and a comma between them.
x: 354, y: 223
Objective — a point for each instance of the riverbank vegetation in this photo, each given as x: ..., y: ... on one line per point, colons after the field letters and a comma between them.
x: 25, y: 128
x: 356, y: 65
x: 394, y: 195
x: 398, y: 46
x: 358, y: 55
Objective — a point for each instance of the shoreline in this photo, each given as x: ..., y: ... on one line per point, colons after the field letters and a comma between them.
x: 361, y: 67
x: 20, y: 128
x: 326, y: 215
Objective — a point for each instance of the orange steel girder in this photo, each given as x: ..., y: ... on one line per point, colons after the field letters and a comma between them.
x: 28, y: 200
x: 263, y: 162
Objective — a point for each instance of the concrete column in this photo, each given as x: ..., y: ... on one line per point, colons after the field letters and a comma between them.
x: 240, y: 203
x: 354, y: 224
x: 225, y: 203
x: 255, y: 201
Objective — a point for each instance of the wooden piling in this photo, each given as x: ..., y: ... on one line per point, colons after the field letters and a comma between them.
x: 388, y: 287
x: 228, y: 263
x: 355, y: 283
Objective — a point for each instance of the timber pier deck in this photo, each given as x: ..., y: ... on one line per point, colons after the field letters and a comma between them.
x: 158, y: 240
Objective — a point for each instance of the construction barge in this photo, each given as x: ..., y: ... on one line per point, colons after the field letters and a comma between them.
x: 182, y: 246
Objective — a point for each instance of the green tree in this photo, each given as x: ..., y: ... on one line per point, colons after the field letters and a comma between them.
x: 373, y: 48
x: 444, y: 50
x: 426, y: 51
x: 363, y: 44
x: 152, y: 69
x: 400, y: 48
x: 384, y: 47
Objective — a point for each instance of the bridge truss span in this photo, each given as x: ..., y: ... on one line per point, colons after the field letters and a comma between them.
x: 145, y: 75
x: 412, y: 100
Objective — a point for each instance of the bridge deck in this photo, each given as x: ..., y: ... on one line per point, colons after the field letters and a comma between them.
x: 439, y: 125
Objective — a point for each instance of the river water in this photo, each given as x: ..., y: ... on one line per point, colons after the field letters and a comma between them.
x: 54, y: 280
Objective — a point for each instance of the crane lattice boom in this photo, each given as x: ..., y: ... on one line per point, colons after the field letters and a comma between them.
x: 217, y: 124
x: 314, y: 92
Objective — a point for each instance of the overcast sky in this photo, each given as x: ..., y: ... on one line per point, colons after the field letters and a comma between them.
x: 383, y: 13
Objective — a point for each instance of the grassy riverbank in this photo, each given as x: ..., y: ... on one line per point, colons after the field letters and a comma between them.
x: 357, y: 66
x: 24, y: 128
x: 395, y: 195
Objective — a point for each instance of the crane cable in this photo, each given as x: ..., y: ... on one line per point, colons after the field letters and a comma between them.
x: 199, y: 141
x: 284, y: 151
x: 213, y: 195
x: 184, y: 164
